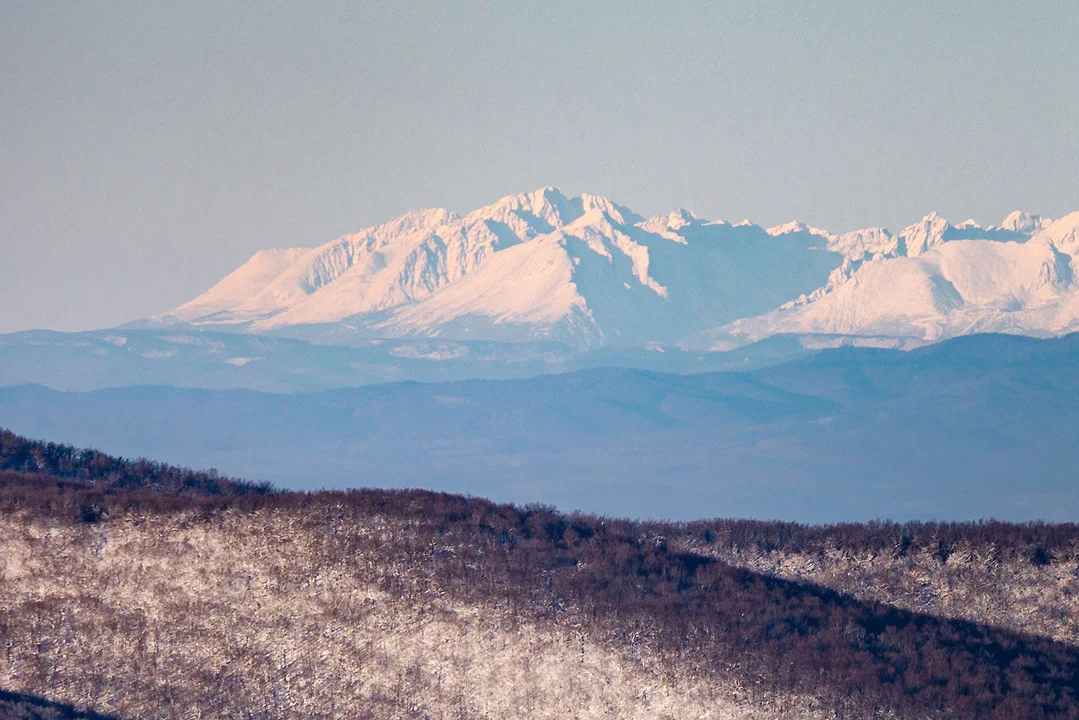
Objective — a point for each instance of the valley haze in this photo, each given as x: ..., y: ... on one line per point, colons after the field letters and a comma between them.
x: 975, y: 427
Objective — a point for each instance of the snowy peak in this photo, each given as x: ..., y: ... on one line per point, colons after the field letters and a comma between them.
x: 546, y: 210
x: 868, y: 242
x: 957, y: 288
x: 386, y: 265
x: 588, y: 271
x: 933, y: 230
x: 949, y: 281
x: 600, y: 282
x: 798, y: 227
x: 371, y: 270
x: 1064, y: 234
x: 538, y: 212
x: 680, y: 218
x: 1024, y: 222
x: 669, y: 225
x: 413, y: 221
x: 923, y: 235
x: 618, y: 213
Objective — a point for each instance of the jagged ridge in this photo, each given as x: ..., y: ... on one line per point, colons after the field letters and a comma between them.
x: 588, y: 271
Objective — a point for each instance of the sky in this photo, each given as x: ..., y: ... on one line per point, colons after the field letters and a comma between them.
x: 149, y: 148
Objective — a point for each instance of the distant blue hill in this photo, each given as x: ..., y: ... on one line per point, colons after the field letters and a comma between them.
x: 975, y: 427
x: 191, y: 357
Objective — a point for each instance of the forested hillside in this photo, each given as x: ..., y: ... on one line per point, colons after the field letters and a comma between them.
x: 1021, y: 576
x: 135, y: 589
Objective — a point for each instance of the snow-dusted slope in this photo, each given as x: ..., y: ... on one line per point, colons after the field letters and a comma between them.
x: 535, y: 265
x: 601, y: 280
x: 585, y: 270
x: 947, y: 288
x: 1064, y: 233
x: 371, y: 269
x: 528, y: 288
x: 1024, y: 222
x: 375, y: 269
x: 241, y: 285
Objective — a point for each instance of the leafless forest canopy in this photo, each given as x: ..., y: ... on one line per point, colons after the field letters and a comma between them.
x: 137, y: 589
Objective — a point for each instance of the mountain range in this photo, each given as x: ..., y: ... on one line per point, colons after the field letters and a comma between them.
x: 589, y: 272
x: 972, y: 427
x: 571, y: 351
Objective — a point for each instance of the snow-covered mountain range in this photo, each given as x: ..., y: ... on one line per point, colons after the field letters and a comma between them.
x: 587, y: 271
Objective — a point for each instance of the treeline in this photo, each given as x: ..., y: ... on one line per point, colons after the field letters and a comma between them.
x: 46, y: 464
x: 626, y: 585
x: 94, y: 469
x: 1037, y: 542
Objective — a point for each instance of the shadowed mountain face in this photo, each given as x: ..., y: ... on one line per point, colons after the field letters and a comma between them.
x: 975, y: 427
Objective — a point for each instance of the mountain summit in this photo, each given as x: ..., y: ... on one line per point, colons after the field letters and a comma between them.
x: 588, y: 271
x: 534, y: 265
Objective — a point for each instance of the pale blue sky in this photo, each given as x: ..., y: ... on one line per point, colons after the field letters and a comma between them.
x: 148, y: 148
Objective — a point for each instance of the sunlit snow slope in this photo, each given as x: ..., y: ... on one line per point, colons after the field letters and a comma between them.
x: 949, y: 288
x: 589, y: 272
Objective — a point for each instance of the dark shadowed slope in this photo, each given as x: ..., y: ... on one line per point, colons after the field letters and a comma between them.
x: 20, y: 706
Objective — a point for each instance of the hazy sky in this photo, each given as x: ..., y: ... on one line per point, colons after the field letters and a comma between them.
x: 146, y: 149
